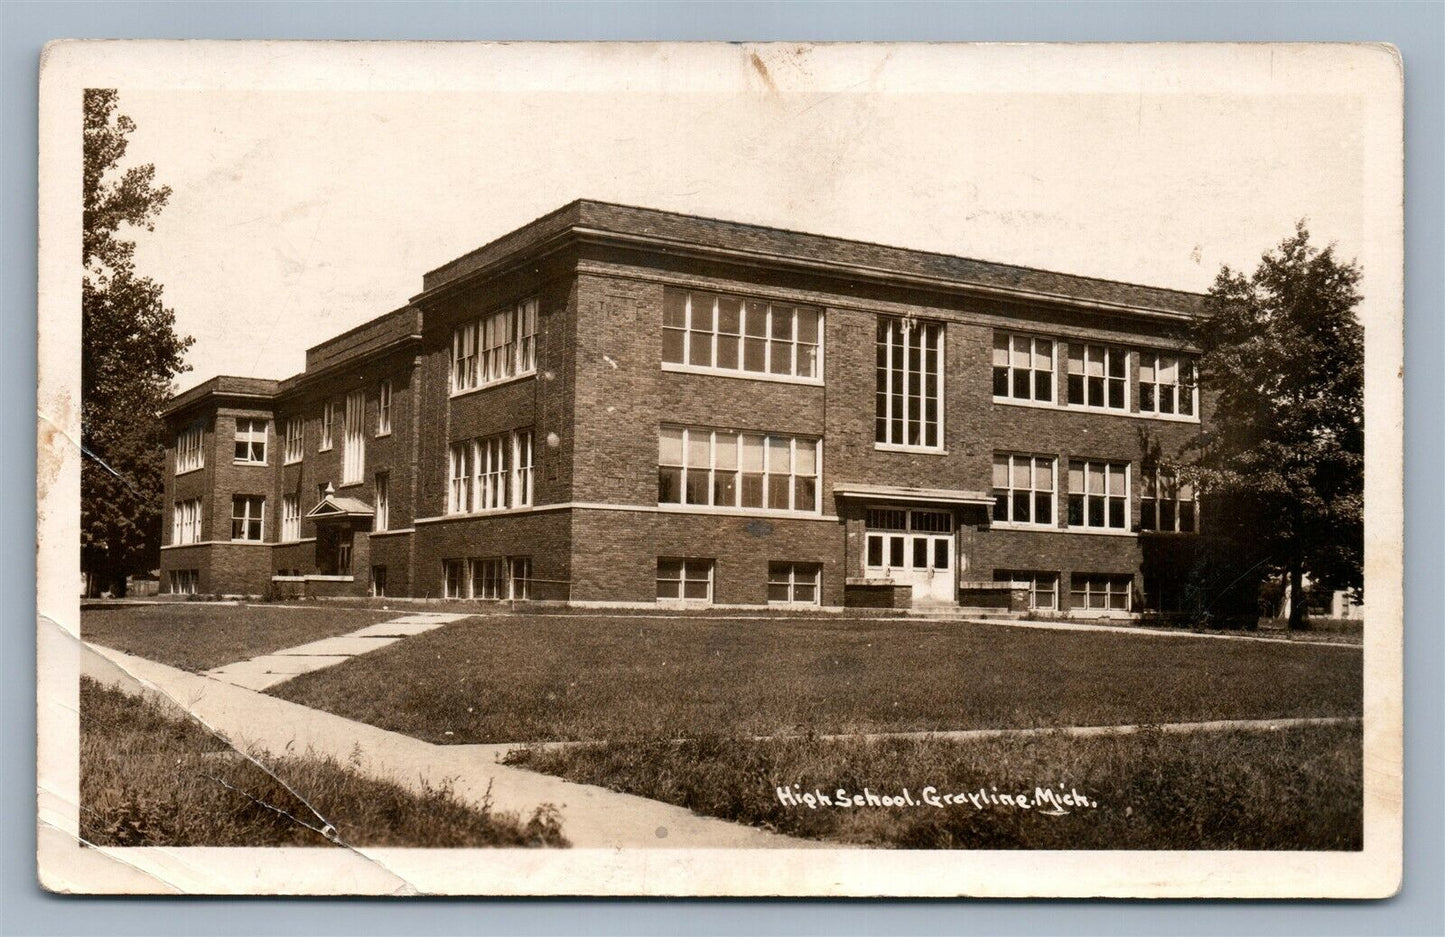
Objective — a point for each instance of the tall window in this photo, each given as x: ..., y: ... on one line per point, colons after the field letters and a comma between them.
x: 186, y: 521
x: 456, y: 583
x: 491, y: 473
x: 727, y: 469
x: 353, y: 444
x: 1100, y: 592
x: 1099, y: 494
x: 383, y: 501
x: 295, y: 447
x: 909, y: 388
x: 1097, y: 376
x: 684, y: 580
x: 291, y: 517
x: 378, y: 582
x: 1043, y: 587
x: 1023, y: 489
x: 496, y: 347
x: 248, y: 513
x: 793, y: 583
x: 522, y: 468
x: 520, y: 570
x: 1166, y: 384
x: 729, y: 333
x: 1023, y: 367
x: 189, y: 455
x: 1166, y: 503
x: 383, y: 409
x: 328, y: 423
x: 489, y: 579
x: 251, y: 441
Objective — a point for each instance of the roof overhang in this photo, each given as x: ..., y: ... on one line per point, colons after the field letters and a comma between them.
x: 912, y: 495
x: 333, y: 507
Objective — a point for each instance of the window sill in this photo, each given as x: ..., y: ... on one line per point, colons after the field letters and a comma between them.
x: 725, y: 510
x: 918, y: 450
x: 1167, y: 533
x: 293, y: 461
x: 383, y: 435
x: 1016, y: 525
x: 676, y: 368
x: 1102, y: 411
x: 249, y: 462
x: 1099, y: 531
x: 492, y: 384
x: 488, y: 512
x: 259, y: 543
x: 1036, y: 404
x: 1166, y: 417
x: 190, y: 471
x: 320, y: 449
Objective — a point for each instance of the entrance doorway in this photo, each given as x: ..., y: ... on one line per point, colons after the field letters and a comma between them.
x: 915, y: 548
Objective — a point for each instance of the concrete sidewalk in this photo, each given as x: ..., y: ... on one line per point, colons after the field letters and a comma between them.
x: 592, y: 817
x: 267, y: 670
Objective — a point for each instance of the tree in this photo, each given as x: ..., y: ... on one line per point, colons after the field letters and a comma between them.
x: 130, y: 354
x: 1282, y: 459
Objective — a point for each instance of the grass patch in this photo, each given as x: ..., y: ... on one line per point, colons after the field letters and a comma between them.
x: 1299, y: 788
x: 196, y: 637
x: 150, y: 776
x: 527, y: 677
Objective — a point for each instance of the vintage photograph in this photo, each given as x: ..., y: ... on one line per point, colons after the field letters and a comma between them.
x: 702, y: 469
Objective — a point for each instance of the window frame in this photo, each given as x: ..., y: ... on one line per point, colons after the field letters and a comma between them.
x: 1011, y: 491
x: 502, y: 340
x: 1181, y: 384
x: 327, y: 440
x: 1011, y: 371
x: 381, y: 501
x: 383, y: 408
x: 741, y: 476
x: 246, y: 518
x: 1090, y: 582
x: 690, y: 336
x: 886, y: 394
x: 1110, y: 353
x: 186, y: 526
x: 785, y: 573
x: 687, y: 564
x: 353, y: 440
x: 1109, y: 466
x: 190, y: 448
x: 1152, y: 497
x: 250, y: 441
x: 1034, y: 577
x: 295, y: 445
x: 290, y: 517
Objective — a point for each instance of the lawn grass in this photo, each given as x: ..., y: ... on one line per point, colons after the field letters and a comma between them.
x: 524, y: 677
x: 1297, y: 788
x: 199, y: 636
x: 150, y: 776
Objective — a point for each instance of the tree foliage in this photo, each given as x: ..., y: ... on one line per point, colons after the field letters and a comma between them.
x: 1282, y: 458
x: 129, y: 357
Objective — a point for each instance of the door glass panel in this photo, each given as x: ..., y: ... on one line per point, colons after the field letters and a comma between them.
x: 920, y: 552
x: 895, y: 551
x: 940, y: 553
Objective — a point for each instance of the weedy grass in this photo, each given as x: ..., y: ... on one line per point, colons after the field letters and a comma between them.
x: 151, y: 776
x: 1297, y: 788
x: 524, y: 678
x: 195, y: 636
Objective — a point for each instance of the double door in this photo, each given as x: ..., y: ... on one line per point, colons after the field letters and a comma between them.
x: 914, y: 548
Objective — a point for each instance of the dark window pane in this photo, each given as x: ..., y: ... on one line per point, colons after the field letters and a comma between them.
x: 1043, y: 385
x: 920, y: 553
x: 1146, y: 397
x: 754, y: 353
x: 672, y: 346
x: 1116, y: 513
x: 674, y: 313
x: 895, y: 551
x: 1000, y: 382
x: 1116, y: 394
x: 1186, y: 401
x: 1096, y: 391
x: 777, y: 592
x: 1076, y: 389
x: 875, y: 551
x: 695, y: 589
x: 778, y: 492
x: 1076, y: 510
x: 805, y: 493
x: 1043, y: 508
x: 697, y: 485
x: 752, y: 491
x: 1166, y: 515
x: 1021, y: 384
x: 1021, y: 505
x: 1166, y: 399
x: 940, y: 553
x: 1116, y: 364
x: 1146, y: 514
x: 669, y: 485
x: 725, y: 488
x: 1000, y: 506
x: 1186, y: 516
x: 1096, y: 511
x: 727, y: 351
x: 700, y: 349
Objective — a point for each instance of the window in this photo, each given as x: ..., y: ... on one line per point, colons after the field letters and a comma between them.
x: 909, y: 386
x: 290, y: 517
x: 189, y: 455
x: 1099, y: 494
x: 721, y: 468
x: 1023, y: 367
x: 1166, y: 384
x: 488, y: 579
x: 455, y: 582
x: 353, y: 444
x: 1167, y: 504
x: 520, y: 569
x: 251, y: 441
x: 295, y: 448
x: 378, y: 582
x: 186, y: 521
x: 499, y: 346
x: 343, y: 557
x: 1023, y: 489
x: 383, y: 409
x: 793, y: 583
x: 1043, y: 587
x: 382, y: 520
x: 1097, y: 376
x: 328, y: 421
x: 184, y: 581
x: 522, y: 471
x: 491, y: 473
x: 684, y: 580
x: 728, y: 333
x: 1097, y: 592
x: 903, y: 539
x: 247, y: 514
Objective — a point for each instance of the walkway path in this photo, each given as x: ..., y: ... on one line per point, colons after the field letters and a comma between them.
x: 267, y: 670
x: 592, y: 817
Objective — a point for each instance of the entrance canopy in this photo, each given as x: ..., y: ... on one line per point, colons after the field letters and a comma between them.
x: 936, y: 496
x: 335, y: 507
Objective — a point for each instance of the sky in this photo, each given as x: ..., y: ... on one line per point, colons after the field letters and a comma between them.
x: 297, y: 214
